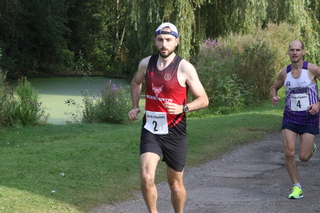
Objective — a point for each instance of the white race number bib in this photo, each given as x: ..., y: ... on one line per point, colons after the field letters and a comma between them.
x: 299, y: 102
x: 156, y: 122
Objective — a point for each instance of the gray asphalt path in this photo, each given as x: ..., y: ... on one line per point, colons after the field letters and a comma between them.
x: 250, y: 179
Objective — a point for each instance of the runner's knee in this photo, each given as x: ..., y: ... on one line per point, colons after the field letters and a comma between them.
x: 305, y: 158
x: 147, y: 179
x: 289, y: 153
x: 176, y: 186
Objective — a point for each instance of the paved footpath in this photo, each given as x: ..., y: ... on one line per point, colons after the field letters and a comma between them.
x: 250, y: 179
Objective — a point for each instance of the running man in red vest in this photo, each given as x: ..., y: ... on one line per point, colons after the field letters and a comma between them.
x: 168, y: 78
x: 301, y: 113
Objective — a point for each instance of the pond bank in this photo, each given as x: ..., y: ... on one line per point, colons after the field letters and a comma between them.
x: 53, y: 92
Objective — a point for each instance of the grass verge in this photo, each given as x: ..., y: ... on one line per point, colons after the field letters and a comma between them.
x: 74, y: 168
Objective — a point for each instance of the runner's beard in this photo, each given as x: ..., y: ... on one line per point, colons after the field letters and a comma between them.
x: 165, y: 56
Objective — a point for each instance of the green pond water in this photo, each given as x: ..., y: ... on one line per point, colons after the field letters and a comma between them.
x: 53, y: 92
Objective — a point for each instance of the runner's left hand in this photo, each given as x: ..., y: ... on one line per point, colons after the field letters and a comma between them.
x: 173, y: 109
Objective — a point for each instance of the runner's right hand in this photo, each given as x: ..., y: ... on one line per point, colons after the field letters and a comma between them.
x: 133, y: 114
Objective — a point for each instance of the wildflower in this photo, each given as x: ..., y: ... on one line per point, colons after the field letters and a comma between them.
x: 114, y: 87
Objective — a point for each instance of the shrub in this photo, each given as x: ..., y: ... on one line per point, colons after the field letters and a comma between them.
x: 6, y: 97
x: 216, y: 72
x: 256, y: 69
x: 82, y: 66
x: 240, y: 69
x: 25, y: 108
x: 111, y: 106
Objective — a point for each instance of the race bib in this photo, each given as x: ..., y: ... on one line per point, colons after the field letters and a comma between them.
x: 299, y: 102
x: 156, y: 122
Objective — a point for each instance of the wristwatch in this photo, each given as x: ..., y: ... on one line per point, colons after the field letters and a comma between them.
x: 185, y: 108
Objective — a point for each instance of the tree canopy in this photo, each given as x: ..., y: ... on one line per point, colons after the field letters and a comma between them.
x: 110, y: 37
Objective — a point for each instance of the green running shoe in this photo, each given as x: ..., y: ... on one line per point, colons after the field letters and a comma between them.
x: 314, y: 148
x: 296, y: 193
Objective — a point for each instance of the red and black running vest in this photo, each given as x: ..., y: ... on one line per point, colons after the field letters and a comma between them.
x: 163, y: 86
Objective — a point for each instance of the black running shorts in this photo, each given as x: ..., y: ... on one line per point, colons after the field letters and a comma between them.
x: 300, y: 129
x: 171, y: 147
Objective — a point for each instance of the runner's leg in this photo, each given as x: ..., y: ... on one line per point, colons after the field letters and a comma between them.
x: 148, y: 164
x: 306, y: 146
x: 289, y: 142
x: 178, y: 191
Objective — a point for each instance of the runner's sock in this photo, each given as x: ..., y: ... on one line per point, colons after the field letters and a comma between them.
x: 297, y: 184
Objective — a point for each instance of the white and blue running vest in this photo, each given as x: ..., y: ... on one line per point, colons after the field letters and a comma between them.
x: 300, y: 94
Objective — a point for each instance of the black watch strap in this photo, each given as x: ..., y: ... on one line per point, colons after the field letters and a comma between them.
x: 185, y: 108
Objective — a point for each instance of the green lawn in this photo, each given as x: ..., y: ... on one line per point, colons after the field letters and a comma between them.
x: 74, y: 168
x: 77, y: 167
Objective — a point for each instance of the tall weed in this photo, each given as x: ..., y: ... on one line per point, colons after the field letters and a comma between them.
x: 26, y: 108
x: 111, y: 106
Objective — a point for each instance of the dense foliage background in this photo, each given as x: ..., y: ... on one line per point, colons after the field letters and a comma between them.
x: 109, y: 37
x: 237, y: 46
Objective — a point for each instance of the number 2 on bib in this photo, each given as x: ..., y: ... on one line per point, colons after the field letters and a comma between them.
x: 156, y: 122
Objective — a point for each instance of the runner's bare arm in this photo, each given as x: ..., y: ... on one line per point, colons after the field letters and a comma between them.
x: 276, y: 86
x: 191, y: 78
x: 315, y: 71
x: 136, y: 84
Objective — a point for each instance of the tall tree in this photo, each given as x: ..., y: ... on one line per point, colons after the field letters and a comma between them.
x: 220, y: 18
x: 32, y: 36
x: 147, y: 15
x: 10, y: 32
x: 304, y: 14
x: 97, y: 30
x: 113, y: 35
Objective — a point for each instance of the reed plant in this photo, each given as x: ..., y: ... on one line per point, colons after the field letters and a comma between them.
x: 25, y: 106
x: 20, y: 106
